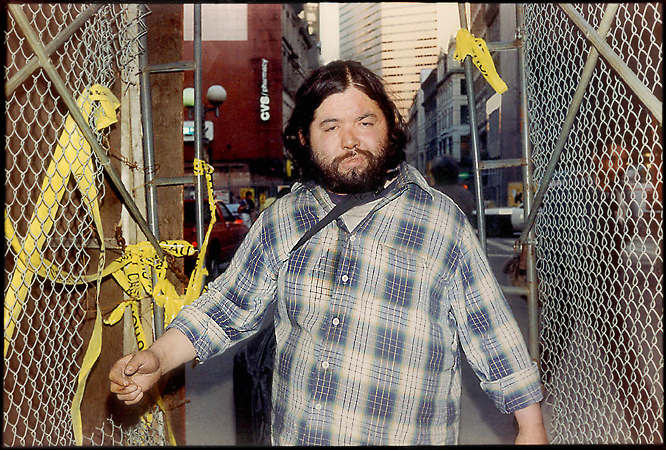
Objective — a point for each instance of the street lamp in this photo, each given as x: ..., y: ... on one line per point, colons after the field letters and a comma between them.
x: 216, y: 95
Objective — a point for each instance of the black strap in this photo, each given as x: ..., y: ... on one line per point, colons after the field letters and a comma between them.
x: 341, y: 208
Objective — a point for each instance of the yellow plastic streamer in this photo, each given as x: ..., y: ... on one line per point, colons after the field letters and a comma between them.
x: 132, y: 271
x: 72, y: 156
x: 468, y: 45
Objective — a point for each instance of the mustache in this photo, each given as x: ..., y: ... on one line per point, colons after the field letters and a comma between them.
x: 338, y: 159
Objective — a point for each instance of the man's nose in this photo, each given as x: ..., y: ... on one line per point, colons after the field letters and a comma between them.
x: 349, y: 138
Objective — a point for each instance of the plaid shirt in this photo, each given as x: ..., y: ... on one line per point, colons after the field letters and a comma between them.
x: 369, y: 322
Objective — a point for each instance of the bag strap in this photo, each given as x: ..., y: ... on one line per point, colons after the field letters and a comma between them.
x: 341, y: 208
x: 344, y: 206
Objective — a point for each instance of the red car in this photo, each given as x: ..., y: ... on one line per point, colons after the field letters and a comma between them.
x: 227, y: 235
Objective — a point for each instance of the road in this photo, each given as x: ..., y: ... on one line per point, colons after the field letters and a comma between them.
x: 209, y: 387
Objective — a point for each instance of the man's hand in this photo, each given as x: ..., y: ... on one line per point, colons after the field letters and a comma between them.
x: 133, y: 375
x: 530, y: 426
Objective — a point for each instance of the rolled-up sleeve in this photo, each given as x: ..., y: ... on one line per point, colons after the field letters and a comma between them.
x: 489, y: 334
x: 234, y: 305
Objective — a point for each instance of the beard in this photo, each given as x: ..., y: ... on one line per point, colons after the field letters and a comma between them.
x: 357, y: 179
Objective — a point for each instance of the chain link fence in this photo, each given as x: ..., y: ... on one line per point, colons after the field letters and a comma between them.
x: 48, y: 224
x: 599, y: 232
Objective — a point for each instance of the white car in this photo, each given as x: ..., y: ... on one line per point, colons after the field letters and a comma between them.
x: 503, y: 221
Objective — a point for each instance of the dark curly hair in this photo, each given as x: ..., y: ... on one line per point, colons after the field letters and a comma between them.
x: 334, y: 78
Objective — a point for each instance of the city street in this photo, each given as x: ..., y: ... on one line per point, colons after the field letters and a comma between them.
x: 209, y: 387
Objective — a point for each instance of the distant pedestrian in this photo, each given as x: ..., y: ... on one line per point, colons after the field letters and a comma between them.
x: 246, y: 209
x: 445, y: 171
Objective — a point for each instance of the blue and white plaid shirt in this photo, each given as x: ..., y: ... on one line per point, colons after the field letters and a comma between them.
x: 369, y: 322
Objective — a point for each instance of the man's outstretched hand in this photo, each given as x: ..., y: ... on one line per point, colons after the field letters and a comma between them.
x: 133, y: 375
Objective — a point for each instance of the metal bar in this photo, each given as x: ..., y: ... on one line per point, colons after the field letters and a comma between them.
x: 171, y: 181
x: 500, y: 45
x: 642, y: 92
x: 198, y: 125
x: 530, y: 263
x: 514, y: 290
x: 588, y: 69
x: 149, y: 163
x: 481, y: 215
x: 62, y: 90
x: 502, y: 163
x: 178, y: 66
x: 32, y: 65
x: 504, y: 45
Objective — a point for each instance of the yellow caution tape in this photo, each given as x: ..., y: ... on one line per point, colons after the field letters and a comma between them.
x: 132, y: 271
x: 468, y: 45
x: 104, y: 117
x: 72, y: 156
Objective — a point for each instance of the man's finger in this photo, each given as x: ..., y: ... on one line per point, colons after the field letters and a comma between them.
x: 116, y: 375
x: 131, y: 399
x: 120, y: 389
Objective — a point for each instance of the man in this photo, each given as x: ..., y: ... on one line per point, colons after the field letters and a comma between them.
x: 371, y: 310
x: 246, y: 209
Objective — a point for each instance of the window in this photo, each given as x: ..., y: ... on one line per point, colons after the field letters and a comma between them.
x: 463, y: 87
x: 464, y: 114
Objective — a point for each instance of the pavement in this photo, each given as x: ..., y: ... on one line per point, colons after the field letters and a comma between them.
x: 209, y: 388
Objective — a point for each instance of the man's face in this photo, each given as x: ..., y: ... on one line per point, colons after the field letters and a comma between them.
x: 348, y: 138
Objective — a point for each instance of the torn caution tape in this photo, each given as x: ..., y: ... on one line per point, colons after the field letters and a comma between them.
x: 468, y: 45
x: 133, y: 271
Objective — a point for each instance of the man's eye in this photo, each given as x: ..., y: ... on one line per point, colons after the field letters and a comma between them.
x: 331, y: 128
x: 367, y: 124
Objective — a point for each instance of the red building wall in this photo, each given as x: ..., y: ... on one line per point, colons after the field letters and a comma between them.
x: 240, y: 134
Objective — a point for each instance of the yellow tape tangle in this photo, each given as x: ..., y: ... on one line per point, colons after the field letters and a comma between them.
x: 468, y: 45
x: 72, y: 156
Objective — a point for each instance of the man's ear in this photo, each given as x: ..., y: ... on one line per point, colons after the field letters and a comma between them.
x: 301, y: 138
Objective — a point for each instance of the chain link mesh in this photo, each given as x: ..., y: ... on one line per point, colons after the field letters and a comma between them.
x: 599, y: 234
x: 42, y: 354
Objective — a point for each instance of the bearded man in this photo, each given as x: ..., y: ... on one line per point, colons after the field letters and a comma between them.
x: 378, y: 281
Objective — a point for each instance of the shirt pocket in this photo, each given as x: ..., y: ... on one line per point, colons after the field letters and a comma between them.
x: 403, y: 279
x: 406, y: 293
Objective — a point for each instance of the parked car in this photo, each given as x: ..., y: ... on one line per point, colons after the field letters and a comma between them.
x: 503, y: 221
x: 225, y: 238
x: 233, y: 207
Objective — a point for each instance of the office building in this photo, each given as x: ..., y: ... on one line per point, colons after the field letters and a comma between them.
x: 397, y: 41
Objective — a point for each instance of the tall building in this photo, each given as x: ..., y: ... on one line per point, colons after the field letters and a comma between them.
x: 438, y: 119
x: 452, y: 109
x: 397, y: 41
x: 498, y: 117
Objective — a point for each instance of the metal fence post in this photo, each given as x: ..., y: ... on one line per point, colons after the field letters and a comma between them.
x: 480, y: 208
x: 198, y: 128
x: 149, y: 163
x: 532, y: 292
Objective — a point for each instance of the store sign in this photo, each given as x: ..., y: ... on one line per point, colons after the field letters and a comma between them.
x: 264, y: 100
x: 188, y: 130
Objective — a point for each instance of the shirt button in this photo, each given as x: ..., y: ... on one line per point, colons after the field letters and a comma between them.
x: 318, y: 406
x: 352, y: 238
x: 345, y: 278
x: 324, y: 365
x: 336, y: 321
